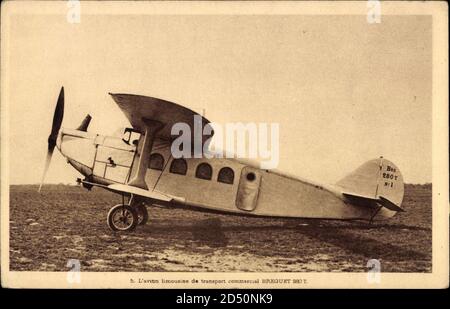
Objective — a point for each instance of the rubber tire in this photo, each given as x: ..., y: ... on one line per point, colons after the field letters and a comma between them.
x: 142, y: 210
x: 116, y: 208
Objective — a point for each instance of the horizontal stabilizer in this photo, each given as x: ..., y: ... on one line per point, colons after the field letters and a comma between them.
x: 368, y: 201
x: 389, y: 205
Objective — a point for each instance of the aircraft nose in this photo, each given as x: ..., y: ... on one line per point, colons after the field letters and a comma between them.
x: 79, y: 149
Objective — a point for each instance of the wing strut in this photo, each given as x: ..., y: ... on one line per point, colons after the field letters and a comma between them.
x: 143, y: 151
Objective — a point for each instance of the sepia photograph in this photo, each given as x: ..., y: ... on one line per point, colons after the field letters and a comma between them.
x: 149, y: 144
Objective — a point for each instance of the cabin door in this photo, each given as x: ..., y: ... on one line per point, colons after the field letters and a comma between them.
x: 249, y: 183
x: 113, y: 164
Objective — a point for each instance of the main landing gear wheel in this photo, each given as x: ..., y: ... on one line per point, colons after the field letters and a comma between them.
x: 142, y: 214
x: 122, y: 218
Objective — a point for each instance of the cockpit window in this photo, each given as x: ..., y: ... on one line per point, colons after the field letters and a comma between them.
x: 131, y: 137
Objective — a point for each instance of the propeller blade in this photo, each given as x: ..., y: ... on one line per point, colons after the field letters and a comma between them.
x: 56, y: 125
x: 47, y: 165
x: 57, y: 120
x: 85, y: 124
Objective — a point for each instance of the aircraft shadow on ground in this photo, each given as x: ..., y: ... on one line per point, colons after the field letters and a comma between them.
x: 213, y: 233
x: 368, y: 247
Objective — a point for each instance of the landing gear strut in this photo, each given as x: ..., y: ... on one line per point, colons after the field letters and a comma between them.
x: 142, y: 214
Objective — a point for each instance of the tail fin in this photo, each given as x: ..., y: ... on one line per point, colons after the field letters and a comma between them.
x: 378, y: 180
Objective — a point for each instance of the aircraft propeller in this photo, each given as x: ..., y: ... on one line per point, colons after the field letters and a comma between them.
x: 56, y: 125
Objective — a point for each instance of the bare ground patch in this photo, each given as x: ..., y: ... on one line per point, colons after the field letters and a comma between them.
x: 64, y: 222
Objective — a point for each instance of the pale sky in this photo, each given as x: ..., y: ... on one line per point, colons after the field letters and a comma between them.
x: 343, y: 91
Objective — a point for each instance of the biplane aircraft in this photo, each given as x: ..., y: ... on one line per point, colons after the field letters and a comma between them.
x: 144, y: 172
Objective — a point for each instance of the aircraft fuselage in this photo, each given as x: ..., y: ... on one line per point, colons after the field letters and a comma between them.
x: 217, y: 184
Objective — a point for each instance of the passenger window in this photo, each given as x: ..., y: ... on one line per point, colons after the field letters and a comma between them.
x: 226, y: 175
x: 178, y: 166
x: 156, y: 162
x: 204, y: 171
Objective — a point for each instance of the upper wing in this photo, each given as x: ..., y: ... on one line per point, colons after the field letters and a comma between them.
x: 136, y: 108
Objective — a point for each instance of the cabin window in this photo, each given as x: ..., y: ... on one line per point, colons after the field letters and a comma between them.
x: 226, y: 175
x: 178, y: 166
x: 204, y: 171
x: 156, y: 162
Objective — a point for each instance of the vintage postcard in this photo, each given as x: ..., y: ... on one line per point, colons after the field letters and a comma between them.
x: 218, y: 144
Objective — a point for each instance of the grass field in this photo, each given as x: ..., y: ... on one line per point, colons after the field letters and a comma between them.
x: 65, y: 222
